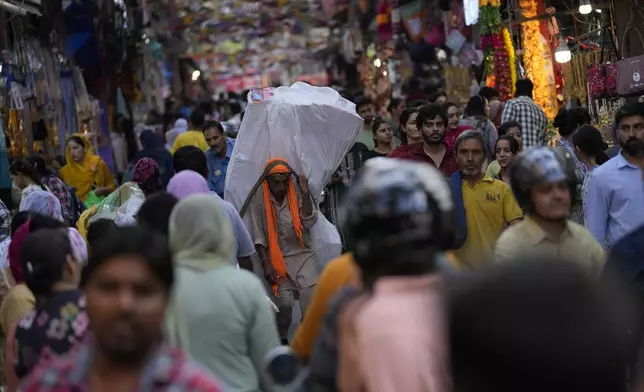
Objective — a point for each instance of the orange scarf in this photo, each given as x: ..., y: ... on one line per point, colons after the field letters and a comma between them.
x: 274, y: 252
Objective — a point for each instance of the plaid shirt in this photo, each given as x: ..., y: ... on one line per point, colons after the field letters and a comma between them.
x: 62, y: 192
x: 5, y: 221
x: 531, y: 117
x: 168, y: 370
x: 577, y: 213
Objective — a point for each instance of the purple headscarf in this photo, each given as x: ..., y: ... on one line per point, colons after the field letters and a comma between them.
x: 187, y: 183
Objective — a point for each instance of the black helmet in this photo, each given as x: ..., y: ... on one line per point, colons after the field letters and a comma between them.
x: 395, y: 207
x: 541, y: 164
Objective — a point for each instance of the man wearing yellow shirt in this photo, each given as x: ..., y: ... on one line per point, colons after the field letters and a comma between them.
x: 544, y: 181
x: 193, y: 137
x: 489, y: 204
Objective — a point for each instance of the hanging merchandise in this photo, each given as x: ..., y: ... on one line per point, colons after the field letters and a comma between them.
x: 457, y: 84
x: 494, y: 44
x: 579, y: 77
x: 534, y: 59
x: 413, y: 17
x: 630, y: 70
x: 383, y: 22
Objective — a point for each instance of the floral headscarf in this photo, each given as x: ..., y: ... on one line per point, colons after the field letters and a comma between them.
x: 42, y: 202
x: 147, y: 176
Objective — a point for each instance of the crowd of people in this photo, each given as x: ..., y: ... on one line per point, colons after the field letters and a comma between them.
x: 476, y: 258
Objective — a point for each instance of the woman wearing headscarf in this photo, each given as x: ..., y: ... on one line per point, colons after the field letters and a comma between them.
x: 85, y: 171
x: 20, y: 300
x: 42, y: 202
x: 282, y: 214
x: 187, y: 183
x: 70, y: 205
x: 147, y: 176
x: 232, y: 334
x: 153, y: 148
x: 180, y: 126
x: 52, y: 273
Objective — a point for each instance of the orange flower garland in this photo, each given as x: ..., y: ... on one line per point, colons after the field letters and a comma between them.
x: 511, y: 57
x: 533, y: 56
x: 497, y: 56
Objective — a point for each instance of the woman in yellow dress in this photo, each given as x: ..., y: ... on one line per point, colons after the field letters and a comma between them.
x: 85, y: 171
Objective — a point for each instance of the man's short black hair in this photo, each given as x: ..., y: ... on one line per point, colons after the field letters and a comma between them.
x: 155, y: 212
x: 505, y: 127
x: 361, y: 101
x: 235, y: 107
x: 197, y: 119
x: 430, y: 112
x: 629, y: 110
x: 99, y: 229
x: 151, y: 246
x: 524, y: 87
x: 535, y: 326
x: 214, y: 125
x: 489, y: 93
x: 190, y: 158
x: 394, y: 103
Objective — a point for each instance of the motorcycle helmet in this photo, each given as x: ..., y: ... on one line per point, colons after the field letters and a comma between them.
x: 395, y: 208
x: 541, y: 164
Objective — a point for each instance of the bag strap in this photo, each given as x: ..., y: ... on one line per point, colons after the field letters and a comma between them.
x: 625, y: 35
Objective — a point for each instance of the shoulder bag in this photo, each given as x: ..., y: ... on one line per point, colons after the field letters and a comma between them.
x: 630, y: 71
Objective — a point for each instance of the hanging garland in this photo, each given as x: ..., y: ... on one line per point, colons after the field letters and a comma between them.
x: 497, y: 56
x: 533, y: 56
x: 511, y: 57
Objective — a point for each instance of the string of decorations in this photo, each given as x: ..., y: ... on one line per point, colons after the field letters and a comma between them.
x: 533, y: 57
x: 507, y: 38
x: 494, y: 44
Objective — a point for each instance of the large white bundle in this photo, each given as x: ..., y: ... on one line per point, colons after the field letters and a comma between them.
x: 312, y: 128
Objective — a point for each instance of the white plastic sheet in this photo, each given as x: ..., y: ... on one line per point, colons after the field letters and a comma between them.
x: 312, y: 128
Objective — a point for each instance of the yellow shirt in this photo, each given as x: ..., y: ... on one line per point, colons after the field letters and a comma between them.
x: 18, y: 302
x: 489, y: 207
x: 527, y: 238
x: 190, y: 138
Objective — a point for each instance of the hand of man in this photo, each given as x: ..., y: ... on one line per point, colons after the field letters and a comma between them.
x: 269, y: 272
x: 304, y: 185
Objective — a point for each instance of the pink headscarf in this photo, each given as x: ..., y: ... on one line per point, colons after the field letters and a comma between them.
x: 17, y: 239
x: 78, y: 245
x: 187, y: 183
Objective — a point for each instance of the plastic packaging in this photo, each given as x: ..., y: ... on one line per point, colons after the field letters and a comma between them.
x: 121, y: 206
x: 312, y: 128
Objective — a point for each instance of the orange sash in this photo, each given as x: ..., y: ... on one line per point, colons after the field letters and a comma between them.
x: 274, y: 251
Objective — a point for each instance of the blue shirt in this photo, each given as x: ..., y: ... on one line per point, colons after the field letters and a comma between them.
x: 244, y: 246
x: 217, y: 167
x: 614, y: 201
